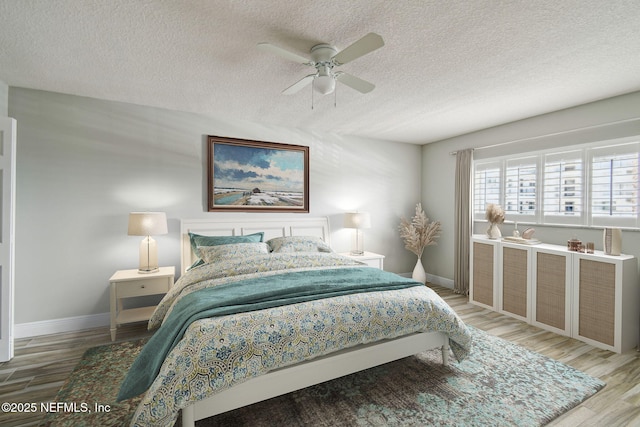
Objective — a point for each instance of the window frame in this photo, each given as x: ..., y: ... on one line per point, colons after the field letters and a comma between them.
x: 556, y: 218
x: 631, y: 221
x: 520, y: 163
x: 484, y: 166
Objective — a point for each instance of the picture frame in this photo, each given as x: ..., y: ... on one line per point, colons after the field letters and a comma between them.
x: 256, y: 176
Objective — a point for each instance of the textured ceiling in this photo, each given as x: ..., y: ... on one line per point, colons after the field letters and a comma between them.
x: 447, y: 67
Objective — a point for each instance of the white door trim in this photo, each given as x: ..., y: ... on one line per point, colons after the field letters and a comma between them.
x: 7, y: 234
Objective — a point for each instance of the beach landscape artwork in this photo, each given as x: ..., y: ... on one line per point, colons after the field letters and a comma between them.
x: 251, y: 176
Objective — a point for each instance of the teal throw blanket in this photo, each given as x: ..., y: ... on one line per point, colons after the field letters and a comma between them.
x: 250, y: 295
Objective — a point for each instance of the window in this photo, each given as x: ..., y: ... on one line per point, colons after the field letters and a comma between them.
x: 486, y: 187
x: 595, y: 184
x: 520, y: 188
x: 562, y: 188
x: 615, y: 185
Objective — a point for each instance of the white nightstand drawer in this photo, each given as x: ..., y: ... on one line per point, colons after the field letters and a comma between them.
x: 369, y: 258
x: 371, y: 262
x: 135, y: 288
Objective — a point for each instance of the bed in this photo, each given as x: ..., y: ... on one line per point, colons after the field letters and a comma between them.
x: 220, y: 360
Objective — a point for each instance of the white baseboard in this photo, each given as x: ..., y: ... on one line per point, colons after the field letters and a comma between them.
x: 56, y: 326
x: 441, y: 281
x: 436, y: 280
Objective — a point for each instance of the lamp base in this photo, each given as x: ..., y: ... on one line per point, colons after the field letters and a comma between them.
x: 148, y: 256
x: 357, y: 243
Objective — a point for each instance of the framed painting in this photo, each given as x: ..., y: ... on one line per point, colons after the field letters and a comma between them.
x: 255, y: 176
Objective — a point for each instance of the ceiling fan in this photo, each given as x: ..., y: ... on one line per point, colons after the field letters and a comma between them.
x: 325, y: 58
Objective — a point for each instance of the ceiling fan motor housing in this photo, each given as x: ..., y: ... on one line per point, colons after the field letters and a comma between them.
x: 323, y: 52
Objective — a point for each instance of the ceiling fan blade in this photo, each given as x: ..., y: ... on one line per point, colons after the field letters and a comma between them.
x: 366, y: 44
x: 267, y: 47
x: 354, y: 82
x: 298, y: 85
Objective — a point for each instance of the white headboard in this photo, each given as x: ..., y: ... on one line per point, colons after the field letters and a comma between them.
x: 272, y: 227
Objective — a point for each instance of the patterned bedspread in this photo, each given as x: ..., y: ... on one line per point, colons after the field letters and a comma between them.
x: 217, y: 353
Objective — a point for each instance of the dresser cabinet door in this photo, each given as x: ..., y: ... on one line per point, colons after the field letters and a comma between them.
x: 514, y: 290
x: 596, y: 301
x: 483, y: 277
x: 551, y: 290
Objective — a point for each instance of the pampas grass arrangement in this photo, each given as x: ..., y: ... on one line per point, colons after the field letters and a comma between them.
x: 494, y: 214
x: 419, y: 232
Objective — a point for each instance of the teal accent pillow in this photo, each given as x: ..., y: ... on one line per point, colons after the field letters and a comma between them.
x: 200, y: 240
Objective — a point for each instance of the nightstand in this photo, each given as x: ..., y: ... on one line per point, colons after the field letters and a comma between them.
x: 130, y: 283
x: 369, y: 258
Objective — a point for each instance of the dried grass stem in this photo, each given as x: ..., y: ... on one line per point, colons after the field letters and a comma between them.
x: 419, y: 232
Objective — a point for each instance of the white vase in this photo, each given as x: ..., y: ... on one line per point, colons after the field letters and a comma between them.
x: 493, y: 232
x: 612, y: 241
x: 419, y: 274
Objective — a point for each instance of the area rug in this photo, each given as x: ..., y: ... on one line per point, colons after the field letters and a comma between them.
x: 499, y: 384
x: 88, y: 396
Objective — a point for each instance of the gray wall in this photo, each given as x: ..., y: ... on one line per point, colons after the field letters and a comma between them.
x: 84, y: 164
x: 611, y: 118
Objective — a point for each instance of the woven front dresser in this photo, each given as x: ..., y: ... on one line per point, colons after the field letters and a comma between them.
x: 591, y: 297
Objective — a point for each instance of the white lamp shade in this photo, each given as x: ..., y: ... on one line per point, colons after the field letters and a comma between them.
x: 357, y: 220
x: 147, y: 223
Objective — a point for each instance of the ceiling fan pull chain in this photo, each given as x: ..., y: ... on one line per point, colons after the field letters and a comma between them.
x: 335, y: 97
x: 312, y: 84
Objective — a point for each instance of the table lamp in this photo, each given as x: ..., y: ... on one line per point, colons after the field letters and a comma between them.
x: 358, y: 221
x: 148, y: 224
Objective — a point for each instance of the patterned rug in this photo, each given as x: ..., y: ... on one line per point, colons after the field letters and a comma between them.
x: 499, y: 384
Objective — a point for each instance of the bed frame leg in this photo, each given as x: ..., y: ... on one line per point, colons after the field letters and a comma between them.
x: 188, y: 416
x: 445, y: 354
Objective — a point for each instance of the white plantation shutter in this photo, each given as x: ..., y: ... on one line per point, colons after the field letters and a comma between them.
x: 615, y: 185
x: 562, y: 188
x: 486, y: 187
x: 520, y: 189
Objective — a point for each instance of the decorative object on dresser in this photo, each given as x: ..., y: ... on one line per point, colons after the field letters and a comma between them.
x: 417, y: 235
x: 358, y: 221
x: 612, y: 241
x: 574, y: 244
x: 369, y: 258
x: 148, y: 224
x: 495, y: 215
x: 592, y: 297
x: 256, y: 176
x: 129, y: 284
x: 525, y: 238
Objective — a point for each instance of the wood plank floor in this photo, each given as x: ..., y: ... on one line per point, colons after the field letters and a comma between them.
x: 42, y: 364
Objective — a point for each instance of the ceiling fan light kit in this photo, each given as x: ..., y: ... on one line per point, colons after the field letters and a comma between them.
x: 324, y: 58
x: 324, y: 79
